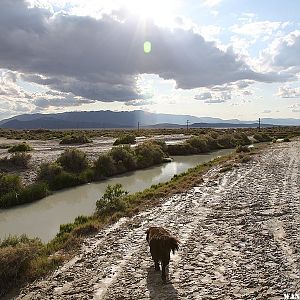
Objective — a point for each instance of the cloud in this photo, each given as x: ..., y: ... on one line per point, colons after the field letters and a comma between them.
x: 203, y: 96
x: 267, y: 111
x: 139, y: 103
x: 207, y: 97
x: 285, y: 52
x: 295, y: 108
x: 15, y: 100
x: 288, y: 92
x: 247, y: 93
x: 61, y: 100
x: 258, y: 29
x: 100, y: 59
x: 9, y: 88
x: 214, y: 101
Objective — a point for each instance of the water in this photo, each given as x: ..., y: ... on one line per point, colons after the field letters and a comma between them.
x: 42, y: 218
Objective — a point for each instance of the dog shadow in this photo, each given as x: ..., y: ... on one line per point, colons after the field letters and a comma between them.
x: 159, y: 290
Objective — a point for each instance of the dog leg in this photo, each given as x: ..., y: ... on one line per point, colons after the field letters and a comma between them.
x: 163, y: 273
x: 156, y: 265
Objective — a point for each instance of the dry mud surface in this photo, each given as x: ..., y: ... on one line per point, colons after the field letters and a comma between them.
x: 239, y: 233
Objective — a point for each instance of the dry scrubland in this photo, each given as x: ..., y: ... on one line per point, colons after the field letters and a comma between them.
x: 240, y: 240
x: 50, y: 150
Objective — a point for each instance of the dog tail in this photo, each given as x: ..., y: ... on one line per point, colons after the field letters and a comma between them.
x: 173, y: 244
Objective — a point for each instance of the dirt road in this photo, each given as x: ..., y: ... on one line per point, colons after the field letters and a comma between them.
x: 240, y: 235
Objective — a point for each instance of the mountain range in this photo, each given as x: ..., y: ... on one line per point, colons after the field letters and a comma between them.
x: 128, y: 119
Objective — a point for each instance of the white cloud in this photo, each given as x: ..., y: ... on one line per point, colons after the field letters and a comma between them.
x: 207, y: 97
x: 258, y: 29
x: 203, y: 96
x: 288, y: 92
x: 295, y: 108
x: 266, y: 111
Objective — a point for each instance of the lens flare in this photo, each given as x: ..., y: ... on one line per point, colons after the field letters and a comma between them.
x: 147, y: 47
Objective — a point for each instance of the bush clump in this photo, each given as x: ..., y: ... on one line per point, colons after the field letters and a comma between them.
x: 64, y: 180
x: 16, y: 160
x: 73, y: 160
x: 124, y: 158
x: 22, y: 147
x: 149, y: 154
x: 125, y: 139
x: 16, y: 257
x: 75, y: 139
x: 112, y: 201
x: 48, y: 171
x: 262, y: 137
x: 27, y: 194
x: 9, y: 183
x: 104, y: 166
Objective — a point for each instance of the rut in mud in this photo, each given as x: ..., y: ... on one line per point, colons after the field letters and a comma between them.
x: 239, y: 234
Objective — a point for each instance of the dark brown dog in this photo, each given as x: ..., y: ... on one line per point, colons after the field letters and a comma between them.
x: 161, y: 243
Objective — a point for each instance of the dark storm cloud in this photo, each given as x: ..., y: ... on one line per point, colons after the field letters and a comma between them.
x: 100, y: 59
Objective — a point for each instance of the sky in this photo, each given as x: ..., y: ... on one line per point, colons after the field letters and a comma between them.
x: 231, y: 59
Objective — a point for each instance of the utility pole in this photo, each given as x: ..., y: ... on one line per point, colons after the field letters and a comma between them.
x: 258, y: 123
x: 187, y: 125
x: 138, y: 126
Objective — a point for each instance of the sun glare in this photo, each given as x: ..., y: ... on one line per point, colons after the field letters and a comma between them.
x: 157, y: 10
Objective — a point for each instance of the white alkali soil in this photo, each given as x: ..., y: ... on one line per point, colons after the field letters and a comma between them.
x: 239, y: 232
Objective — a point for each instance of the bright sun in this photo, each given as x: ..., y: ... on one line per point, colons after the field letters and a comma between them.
x: 160, y: 11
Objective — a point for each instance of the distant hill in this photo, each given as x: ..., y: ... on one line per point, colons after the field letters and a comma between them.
x: 126, y: 119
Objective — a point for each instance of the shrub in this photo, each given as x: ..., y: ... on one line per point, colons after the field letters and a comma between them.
x: 112, y: 201
x: 75, y: 139
x: 262, y: 137
x: 226, y: 141
x: 104, y: 166
x: 9, y: 183
x: 87, y: 175
x: 16, y: 256
x: 125, y: 139
x: 82, y: 225
x: 286, y: 139
x: 20, y: 159
x: 148, y: 154
x: 124, y: 158
x: 48, y: 171
x: 241, y: 148
x: 13, y: 241
x: 28, y: 194
x: 181, y: 149
x: 241, y: 139
x: 211, y: 142
x: 22, y: 147
x: 162, y: 144
x: 64, y: 180
x: 198, y: 143
x: 73, y: 160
